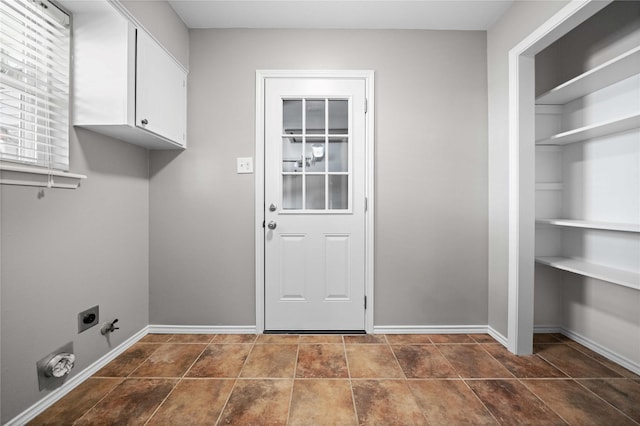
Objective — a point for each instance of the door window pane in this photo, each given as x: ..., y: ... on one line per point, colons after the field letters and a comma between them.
x: 338, y: 117
x: 292, y: 192
x: 338, y: 192
x: 291, y: 155
x: 338, y: 154
x: 315, y: 116
x: 315, y: 192
x: 315, y: 154
x: 292, y: 117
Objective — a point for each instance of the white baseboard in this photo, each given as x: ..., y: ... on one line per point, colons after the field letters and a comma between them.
x: 51, y: 398
x: 547, y: 329
x: 599, y: 349
x: 501, y: 338
x: 426, y: 329
x: 201, y: 329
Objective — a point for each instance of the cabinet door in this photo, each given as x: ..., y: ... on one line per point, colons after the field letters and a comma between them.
x: 160, y: 91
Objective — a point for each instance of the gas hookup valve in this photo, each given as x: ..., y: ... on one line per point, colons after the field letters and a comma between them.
x: 109, y: 327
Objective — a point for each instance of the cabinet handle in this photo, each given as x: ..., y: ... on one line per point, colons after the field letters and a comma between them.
x: 144, y: 121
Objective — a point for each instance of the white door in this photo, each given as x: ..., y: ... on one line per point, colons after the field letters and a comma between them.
x: 314, y: 204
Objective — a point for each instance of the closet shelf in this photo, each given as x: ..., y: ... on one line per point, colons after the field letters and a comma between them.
x: 612, y: 275
x: 593, y: 131
x: 610, y: 72
x: 590, y: 224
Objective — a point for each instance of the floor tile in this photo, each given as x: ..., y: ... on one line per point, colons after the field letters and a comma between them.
x: 451, y: 338
x: 545, y: 338
x: 512, y: 403
x: 278, y: 338
x: 575, y: 404
x: 604, y: 361
x: 127, y: 361
x: 372, y: 361
x: 234, y: 338
x: 449, y: 402
x: 131, y: 403
x: 365, y: 339
x: 423, y: 361
x: 408, y: 339
x: 483, y: 338
x: 523, y: 365
x: 386, y: 402
x: 258, y: 402
x: 322, y: 402
x: 156, y: 338
x: 321, y: 361
x: 271, y: 360
x: 74, y: 404
x: 223, y: 360
x: 320, y: 338
x: 471, y: 361
x: 573, y: 362
x: 624, y: 394
x: 561, y: 337
x: 194, y: 402
x: 169, y: 360
x: 192, y: 338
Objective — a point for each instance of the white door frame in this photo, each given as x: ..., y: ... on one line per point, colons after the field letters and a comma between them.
x: 368, y: 77
x: 522, y: 167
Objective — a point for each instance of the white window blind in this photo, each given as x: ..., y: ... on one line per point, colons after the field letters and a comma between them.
x: 34, y: 83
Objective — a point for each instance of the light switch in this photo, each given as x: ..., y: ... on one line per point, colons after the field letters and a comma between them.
x: 245, y: 165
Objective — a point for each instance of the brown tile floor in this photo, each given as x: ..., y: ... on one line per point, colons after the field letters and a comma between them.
x: 345, y: 380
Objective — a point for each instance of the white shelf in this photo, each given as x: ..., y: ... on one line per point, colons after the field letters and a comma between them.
x: 549, y: 186
x: 37, y: 176
x: 610, y: 72
x: 615, y: 276
x: 589, y: 224
x: 593, y: 131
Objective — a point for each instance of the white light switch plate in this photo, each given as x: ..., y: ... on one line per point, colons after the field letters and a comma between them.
x: 245, y: 165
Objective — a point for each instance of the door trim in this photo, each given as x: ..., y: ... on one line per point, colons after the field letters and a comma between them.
x: 521, y: 238
x: 368, y: 77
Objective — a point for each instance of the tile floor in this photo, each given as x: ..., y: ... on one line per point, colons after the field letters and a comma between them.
x: 344, y: 380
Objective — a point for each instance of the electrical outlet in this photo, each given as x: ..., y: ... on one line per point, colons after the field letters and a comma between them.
x: 88, y: 318
x: 245, y: 165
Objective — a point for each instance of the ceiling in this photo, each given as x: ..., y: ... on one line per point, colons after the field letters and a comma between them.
x: 342, y: 14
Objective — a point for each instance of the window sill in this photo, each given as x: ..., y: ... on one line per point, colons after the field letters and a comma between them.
x: 34, y: 176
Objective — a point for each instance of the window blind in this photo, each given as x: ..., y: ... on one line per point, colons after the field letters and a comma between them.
x: 34, y: 83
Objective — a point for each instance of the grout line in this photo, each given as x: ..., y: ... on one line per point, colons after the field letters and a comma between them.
x: 604, y: 400
x: 235, y: 382
x: 543, y: 401
x: 293, y: 381
x: 122, y: 379
x: 206, y: 345
x: 448, y: 362
x: 353, y: 396
x: 481, y: 401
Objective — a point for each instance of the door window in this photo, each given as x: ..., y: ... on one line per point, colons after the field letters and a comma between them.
x: 316, y: 155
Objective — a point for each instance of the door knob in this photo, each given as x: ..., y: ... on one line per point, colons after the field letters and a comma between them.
x: 272, y: 225
x: 144, y: 121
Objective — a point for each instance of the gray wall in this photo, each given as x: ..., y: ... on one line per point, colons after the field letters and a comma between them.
x: 89, y: 246
x: 431, y: 175
x: 519, y: 21
x: 70, y: 250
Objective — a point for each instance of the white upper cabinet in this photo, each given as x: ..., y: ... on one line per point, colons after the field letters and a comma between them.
x: 125, y: 84
x: 160, y: 91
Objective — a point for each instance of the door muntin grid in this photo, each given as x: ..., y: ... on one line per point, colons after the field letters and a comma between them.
x: 316, y: 166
